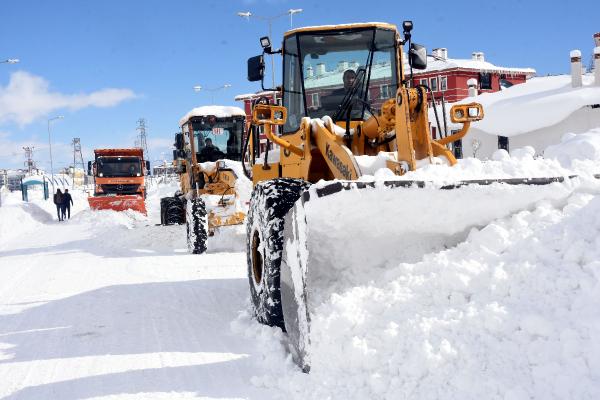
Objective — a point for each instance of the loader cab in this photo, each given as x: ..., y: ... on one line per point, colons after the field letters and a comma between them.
x: 321, y: 67
x: 213, y: 138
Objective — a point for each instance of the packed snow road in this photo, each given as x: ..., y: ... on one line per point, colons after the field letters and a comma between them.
x: 108, y: 305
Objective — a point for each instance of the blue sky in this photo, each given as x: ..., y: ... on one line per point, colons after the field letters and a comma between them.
x: 105, y: 64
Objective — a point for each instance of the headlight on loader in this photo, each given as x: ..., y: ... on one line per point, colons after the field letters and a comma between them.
x: 462, y: 113
x: 473, y: 112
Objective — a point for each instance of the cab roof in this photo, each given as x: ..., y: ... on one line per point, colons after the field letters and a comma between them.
x: 139, y: 152
x: 217, y: 111
x: 340, y: 27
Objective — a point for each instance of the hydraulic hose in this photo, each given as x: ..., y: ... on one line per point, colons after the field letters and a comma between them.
x: 245, y: 149
x: 437, y: 119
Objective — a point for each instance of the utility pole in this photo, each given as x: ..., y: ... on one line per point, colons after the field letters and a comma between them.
x: 142, y: 137
x: 77, y: 157
x: 30, y: 164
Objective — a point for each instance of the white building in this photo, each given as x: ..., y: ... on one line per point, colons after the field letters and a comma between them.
x: 537, y: 113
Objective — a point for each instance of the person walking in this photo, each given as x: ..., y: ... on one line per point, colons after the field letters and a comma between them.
x: 66, y: 204
x: 58, y: 199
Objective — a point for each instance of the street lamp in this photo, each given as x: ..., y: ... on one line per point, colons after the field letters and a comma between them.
x: 199, y: 88
x: 10, y: 61
x: 50, y: 145
x: 291, y: 11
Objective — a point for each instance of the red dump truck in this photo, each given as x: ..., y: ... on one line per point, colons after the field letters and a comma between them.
x: 119, y: 180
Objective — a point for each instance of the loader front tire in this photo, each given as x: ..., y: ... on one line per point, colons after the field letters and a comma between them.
x: 172, y: 211
x: 197, y: 226
x: 270, y: 202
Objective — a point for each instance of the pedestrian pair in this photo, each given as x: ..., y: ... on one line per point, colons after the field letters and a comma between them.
x: 63, y: 202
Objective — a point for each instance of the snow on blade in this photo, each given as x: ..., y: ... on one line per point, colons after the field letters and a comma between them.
x: 507, y: 313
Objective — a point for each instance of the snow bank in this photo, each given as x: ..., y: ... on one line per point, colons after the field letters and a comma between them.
x: 575, y: 155
x: 508, y: 314
x: 496, y: 317
x: 585, y: 146
x: 506, y: 311
x: 19, y: 218
x: 536, y: 104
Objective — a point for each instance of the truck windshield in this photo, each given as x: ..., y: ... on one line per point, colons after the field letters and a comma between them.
x: 216, y: 139
x: 320, y: 69
x: 118, y: 166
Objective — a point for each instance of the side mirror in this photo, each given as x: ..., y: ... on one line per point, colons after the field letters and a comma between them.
x: 179, y: 141
x: 256, y: 68
x: 148, y: 167
x: 418, y: 56
x: 89, y: 168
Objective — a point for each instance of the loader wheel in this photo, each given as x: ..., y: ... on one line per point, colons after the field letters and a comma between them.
x: 172, y: 211
x: 197, y: 226
x: 270, y: 202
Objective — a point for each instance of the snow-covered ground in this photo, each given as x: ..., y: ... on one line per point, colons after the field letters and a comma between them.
x: 110, y: 305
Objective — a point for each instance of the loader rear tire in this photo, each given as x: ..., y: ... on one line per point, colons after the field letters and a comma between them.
x: 197, y: 226
x: 172, y: 211
x: 270, y: 202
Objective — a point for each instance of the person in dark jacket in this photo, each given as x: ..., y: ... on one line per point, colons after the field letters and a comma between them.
x: 58, y: 199
x: 67, y: 200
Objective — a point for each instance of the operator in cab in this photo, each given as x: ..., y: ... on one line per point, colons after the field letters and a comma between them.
x: 334, y: 99
x: 210, y: 152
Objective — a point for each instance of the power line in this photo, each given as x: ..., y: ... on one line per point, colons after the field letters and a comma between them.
x: 30, y: 164
x: 141, y: 141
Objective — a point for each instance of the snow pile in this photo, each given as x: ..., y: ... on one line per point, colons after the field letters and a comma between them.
x: 536, y: 104
x: 585, y: 146
x: 19, y: 218
x: 575, y: 155
x: 508, y: 314
x: 505, y: 310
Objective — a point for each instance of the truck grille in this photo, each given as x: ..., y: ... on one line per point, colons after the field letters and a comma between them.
x: 120, y: 189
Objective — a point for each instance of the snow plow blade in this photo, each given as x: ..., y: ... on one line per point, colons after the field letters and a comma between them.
x: 118, y: 203
x: 339, y: 234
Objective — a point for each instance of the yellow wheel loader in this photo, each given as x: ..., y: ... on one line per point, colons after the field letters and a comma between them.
x: 347, y: 103
x: 207, y: 154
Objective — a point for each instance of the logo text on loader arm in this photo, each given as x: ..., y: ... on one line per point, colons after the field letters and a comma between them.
x: 343, y: 168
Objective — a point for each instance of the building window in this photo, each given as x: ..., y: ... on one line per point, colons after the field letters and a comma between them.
x: 434, y: 84
x: 503, y: 142
x: 504, y: 84
x: 385, y: 92
x: 457, y: 149
x: 485, y: 80
x: 315, y: 100
x: 423, y: 82
x: 444, y: 83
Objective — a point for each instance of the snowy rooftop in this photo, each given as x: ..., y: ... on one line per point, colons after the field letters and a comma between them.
x: 217, y: 111
x: 538, y: 103
x: 248, y: 96
x: 437, y: 64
